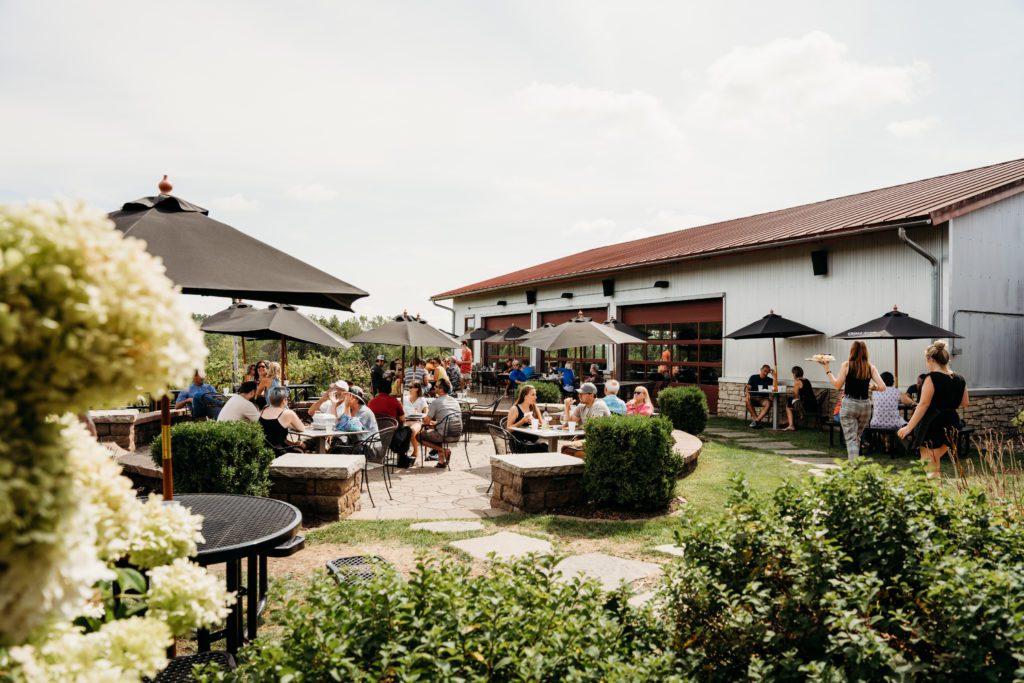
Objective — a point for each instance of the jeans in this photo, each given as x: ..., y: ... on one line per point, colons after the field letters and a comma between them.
x: 855, y: 416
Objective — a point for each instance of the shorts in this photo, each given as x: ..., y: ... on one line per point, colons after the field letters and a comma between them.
x: 436, y: 437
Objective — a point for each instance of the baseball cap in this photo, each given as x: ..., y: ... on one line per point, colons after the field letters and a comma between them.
x: 380, y: 356
x: 340, y: 385
x: 588, y: 388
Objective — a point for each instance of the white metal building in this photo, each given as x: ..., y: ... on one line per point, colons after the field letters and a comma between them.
x: 830, y: 265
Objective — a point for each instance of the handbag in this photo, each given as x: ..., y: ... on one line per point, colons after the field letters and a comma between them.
x: 349, y: 423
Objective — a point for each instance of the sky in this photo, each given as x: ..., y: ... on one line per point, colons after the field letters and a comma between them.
x: 413, y: 147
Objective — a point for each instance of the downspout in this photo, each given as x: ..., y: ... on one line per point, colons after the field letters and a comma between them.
x: 451, y: 310
x: 936, y: 293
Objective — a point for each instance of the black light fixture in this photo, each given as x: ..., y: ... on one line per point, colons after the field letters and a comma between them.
x: 661, y: 284
x: 531, y: 296
x: 503, y: 303
x: 566, y: 295
x: 608, y: 287
x: 819, y: 262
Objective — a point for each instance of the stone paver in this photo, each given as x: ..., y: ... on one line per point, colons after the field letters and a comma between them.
x: 818, y: 473
x: 798, y: 451
x: 669, y: 549
x: 727, y: 433
x: 505, y: 545
x: 609, y: 570
x: 430, y: 493
x: 820, y: 463
x: 768, y: 445
x: 447, y: 527
x: 640, y: 599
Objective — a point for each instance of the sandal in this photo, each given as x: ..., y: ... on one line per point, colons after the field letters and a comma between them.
x: 441, y: 465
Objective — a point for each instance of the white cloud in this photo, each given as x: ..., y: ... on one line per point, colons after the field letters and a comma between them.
x: 577, y: 104
x: 235, y: 202
x: 790, y: 79
x: 599, y: 227
x: 311, y: 193
x: 911, y: 127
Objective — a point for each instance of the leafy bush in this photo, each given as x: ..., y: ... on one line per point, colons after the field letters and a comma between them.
x: 630, y: 462
x: 863, y: 575
x: 218, y: 457
x: 321, y: 370
x: 686, y: 407
x: 546, y: 392
x: 514, y: 623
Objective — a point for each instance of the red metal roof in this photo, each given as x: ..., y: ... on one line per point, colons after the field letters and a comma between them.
x: 936, y: 199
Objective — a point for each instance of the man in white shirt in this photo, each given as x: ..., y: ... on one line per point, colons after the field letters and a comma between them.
x: 240, y: 406
x: 331, y: 399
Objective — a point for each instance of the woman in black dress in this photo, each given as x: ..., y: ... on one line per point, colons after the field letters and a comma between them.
x: 935, y: 421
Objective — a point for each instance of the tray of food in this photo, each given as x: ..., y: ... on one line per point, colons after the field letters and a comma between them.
x: 822, y: 358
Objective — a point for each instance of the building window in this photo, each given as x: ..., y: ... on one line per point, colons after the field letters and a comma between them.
x: 469, y: 323
x: 691, y: 352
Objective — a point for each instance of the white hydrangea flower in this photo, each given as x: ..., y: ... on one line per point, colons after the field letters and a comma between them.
x: 185, y: 596
x: 164, y: 533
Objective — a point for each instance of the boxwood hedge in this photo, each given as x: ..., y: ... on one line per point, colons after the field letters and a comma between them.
x: 218, y: 457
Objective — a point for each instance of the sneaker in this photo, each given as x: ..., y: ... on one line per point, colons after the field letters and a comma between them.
x: 432, y: 455
x: 755, y: 425
x: 433, y: 451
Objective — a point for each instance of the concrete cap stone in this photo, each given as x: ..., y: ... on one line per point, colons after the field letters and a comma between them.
x: 116, y: 416
x: 505, y: 545
x: 538, y: 464
x: 317, y: 466
x: 609, y: 570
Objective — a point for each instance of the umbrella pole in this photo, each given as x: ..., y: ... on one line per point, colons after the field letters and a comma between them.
x: 165, y: 443
x: 775, y: 360
x: 245, y: 359
x: 896, y: 361
x: 284, y: 360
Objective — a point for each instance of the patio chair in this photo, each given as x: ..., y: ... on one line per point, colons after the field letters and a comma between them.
x: 467, y: 416
x: 500, y: 440
x: 517, y: 444
x: 444, y: 427
x: 814, y: 416
x: 483, y: 415
x: 489, y: 381
x: 379, y: 442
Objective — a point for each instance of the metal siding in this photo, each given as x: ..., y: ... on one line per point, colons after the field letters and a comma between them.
x: 986, y: 275
x: 867, y: 275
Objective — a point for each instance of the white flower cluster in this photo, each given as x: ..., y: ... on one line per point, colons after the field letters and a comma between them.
x: 184, y: 596
x: 164, y: 533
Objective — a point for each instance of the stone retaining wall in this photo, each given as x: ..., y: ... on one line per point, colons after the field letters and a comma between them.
x: 993, y: 412
x: 324, y: 487
x: 534, y: 482
x: 130, y: 429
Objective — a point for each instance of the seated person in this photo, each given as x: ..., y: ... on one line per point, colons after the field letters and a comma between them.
x: 277, y: 418
x: 451, y: 368
x: 240, y: 407
x: 383, y: 404
x: 641, y: 403
x: 568, y: 377
x: 886, y: 414
x: 661, y: 374
x: 416, y: 372
x: 193, y: 397
x: 522, y: 413
x: 594, y: 375
x: 443, y: 422
x: 516, y: 376
x: 589, y: 407
x: 329, y: 400
x: 802, y: 395
x: 354, y: 416
x: 415, y: 404
x: 686, y: 374
x: 914, y: 392
x: 611, y: 398
x: 528, y: 371
x: 762, y: 381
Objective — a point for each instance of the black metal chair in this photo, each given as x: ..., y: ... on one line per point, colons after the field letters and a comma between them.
x: 484, y: 415
x: 445, y: 426
x: 516, y: 444
x: 358, y: 568
x: 370, y: 447
x: 180, y: 668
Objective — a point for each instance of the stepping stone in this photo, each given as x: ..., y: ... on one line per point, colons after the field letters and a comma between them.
x: 447, y: 527
x: 640, y: 599
x: 769, y: 445
x: 669, y: 549
x: 818, y: 473
x: 727, y: 433
x: 799, y: 451
x: 820, y: 463
x: 610, y: 571
x: 505, y: 545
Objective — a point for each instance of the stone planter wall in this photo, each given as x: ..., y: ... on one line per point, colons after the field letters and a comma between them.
x: 993, y: 412
x: 131, y: 429
x: 534, y: 482
x: 323, y: 487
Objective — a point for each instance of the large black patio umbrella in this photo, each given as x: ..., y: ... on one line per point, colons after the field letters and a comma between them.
x: 509, y: 334
x: 478, y: 334
x: 773, y: 327
x: 207, y: 257
x: 896, y: 325
x: 275, y: 322
x: 577, y: 333
x: 628, y: 329
x: 405, y: 330
x: 204, y: 256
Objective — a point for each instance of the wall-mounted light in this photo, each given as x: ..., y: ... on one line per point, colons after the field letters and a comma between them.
x: 661, y: 284
x: 503, y: 303
x: 531, y: 296
x: 566, y: 295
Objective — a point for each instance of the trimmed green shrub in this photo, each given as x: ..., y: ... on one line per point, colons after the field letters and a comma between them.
x: 546, y: 391
x: 514, y: 623
x: 863, y: 575
x: 630, y: 462
x: 686, y: 407
x: 218, y: 457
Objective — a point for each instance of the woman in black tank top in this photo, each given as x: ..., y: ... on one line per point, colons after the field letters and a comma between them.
x: 854, y: 378
x: 935, y: 422
x: 277, y: 419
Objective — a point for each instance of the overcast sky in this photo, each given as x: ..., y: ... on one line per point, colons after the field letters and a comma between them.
x: 413, y: 147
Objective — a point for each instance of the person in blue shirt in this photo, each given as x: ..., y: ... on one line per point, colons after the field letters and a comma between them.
x: 515, y: 376
x: 611, y: 399
x: 527, y: 370
x: 193, y: 397
x: 568, y: 377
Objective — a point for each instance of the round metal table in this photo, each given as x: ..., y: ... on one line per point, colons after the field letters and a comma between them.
x: 239, y: 527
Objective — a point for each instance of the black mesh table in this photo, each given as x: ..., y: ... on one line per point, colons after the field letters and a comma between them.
x: 237, y: 528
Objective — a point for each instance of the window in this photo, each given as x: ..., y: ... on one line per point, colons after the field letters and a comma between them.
x: 691, y: 333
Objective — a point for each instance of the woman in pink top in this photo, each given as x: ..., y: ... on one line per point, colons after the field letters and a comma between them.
x: 641, y: 403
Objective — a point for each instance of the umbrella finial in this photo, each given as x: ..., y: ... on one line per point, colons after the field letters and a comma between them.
x: 894, y: 307
x: 771, y: 311
x: 165, y: 186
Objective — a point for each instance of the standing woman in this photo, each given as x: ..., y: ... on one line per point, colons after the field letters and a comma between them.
x: 935, y: 420
x: 855, y: 377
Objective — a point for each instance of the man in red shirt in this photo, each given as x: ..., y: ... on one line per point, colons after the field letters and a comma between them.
x: 466, y: 364
x: 383, y: 404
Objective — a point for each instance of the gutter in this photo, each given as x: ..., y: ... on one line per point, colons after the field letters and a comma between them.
x: 452, y: 310
x: 915, y: 223
x: 936, y: 294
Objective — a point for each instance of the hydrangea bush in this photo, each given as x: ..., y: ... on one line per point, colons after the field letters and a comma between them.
x: 87, y: 318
